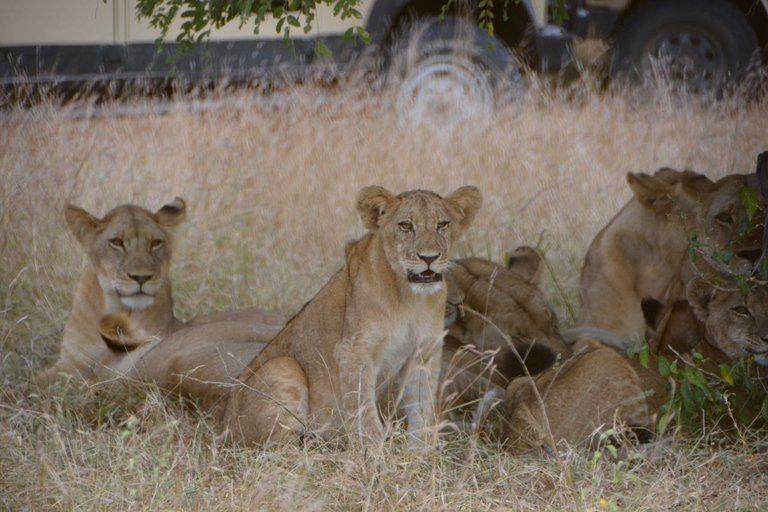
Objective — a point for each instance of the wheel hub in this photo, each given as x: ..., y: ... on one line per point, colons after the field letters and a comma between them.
x: 691, y: 57
x: 444, y: 89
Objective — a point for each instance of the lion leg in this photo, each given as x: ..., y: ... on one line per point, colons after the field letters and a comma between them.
x: 271, y: 405
x: 360, y: 407
x: 419, y: 381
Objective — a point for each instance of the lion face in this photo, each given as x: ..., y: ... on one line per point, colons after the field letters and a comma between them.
x: 418, y: 230
x: 130, y: 248
x: 724, y: 223
x: 511, y: 299
x: 713, y: 209
x: 735, y: 324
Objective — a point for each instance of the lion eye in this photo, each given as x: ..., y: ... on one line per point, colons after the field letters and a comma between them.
x: 724, y: 218
x: 442, y: 225
x: 156, y: 243
x: 117, y: 243
x: 741, y: 311
x: 405, y: 225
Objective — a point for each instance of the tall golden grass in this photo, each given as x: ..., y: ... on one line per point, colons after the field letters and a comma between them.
x: 270, y: 182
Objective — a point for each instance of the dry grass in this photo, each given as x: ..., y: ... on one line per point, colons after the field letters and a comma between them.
x: 270, y: 183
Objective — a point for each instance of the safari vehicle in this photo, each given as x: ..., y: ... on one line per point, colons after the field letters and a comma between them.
x: 702, y: 40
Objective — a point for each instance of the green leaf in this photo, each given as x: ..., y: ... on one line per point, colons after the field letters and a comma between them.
x: 664, y: 367
x: 689, y: 400
x: 696, y: 378
x: 701, y: 397
x: 724, y: 257
x: 749, y: 200
x: 644, y: 356
x: 664, y: 421
x: 363, y: 34
x: 559, y: 12
x: 742, y: 284
x: 726, y: 373
x: 322, y: 50
x: 293, y: 21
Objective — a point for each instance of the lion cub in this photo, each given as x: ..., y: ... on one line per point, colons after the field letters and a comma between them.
x: 371, y: 337
x: 583, y: 397
x: 591, y: 390
x: 643, y: 251
x: 511, y: 298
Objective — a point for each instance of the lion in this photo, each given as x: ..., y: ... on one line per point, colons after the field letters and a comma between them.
x: 510, y: 298
x: 372, y: 336
x: 128, y: 271
x: 199, y: 362
x: 644, y: 250
x: 719, y: 322
x: 590, y: 391
x: 498, y: 320
x: 582, y: 398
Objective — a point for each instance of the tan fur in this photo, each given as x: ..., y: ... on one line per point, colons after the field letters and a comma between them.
x: 643, y: 251
x: 512, y: 300
x: 584, y: 396
x: 199, y: 362
x: 734, y: 325
x: 128, y: 241
x: 587, y: 390
x: 370, y: 326
x: 726, y: 324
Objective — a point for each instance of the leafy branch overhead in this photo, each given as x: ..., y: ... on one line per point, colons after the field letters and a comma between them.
x: 199, y: 17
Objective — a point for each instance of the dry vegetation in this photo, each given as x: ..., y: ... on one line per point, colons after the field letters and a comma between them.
x: 270, y: 183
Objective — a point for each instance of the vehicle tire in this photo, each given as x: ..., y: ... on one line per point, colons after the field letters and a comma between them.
x: 450, y: 70
x: 705, y: 42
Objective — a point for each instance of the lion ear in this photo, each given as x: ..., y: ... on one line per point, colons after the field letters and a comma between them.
x: 171, y: 214
x: 656, y: 192
x: 527, y: 263
x: 372, y: 204
x: 700, y: 294
x: 80, y: 222
x: 464, y: 204
x: 695, y: 184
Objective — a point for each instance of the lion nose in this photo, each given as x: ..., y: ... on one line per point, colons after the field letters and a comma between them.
x: 429, y: 258
x: 141, y: 278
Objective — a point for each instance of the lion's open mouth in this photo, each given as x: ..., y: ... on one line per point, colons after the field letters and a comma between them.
x: 428, y: 276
